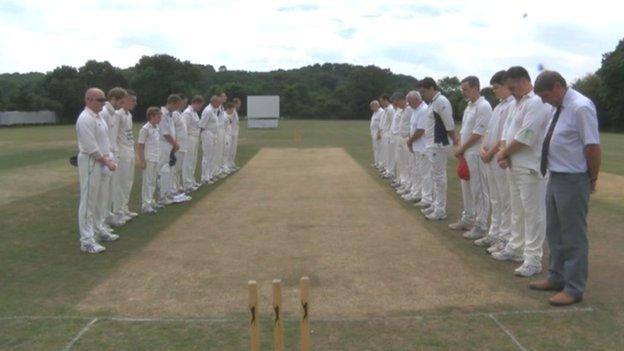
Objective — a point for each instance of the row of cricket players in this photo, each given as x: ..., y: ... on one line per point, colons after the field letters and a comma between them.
x: 166, y: 152
x: 413, y: 135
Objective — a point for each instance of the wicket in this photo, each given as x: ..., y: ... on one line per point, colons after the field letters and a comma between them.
x: 278, y: 326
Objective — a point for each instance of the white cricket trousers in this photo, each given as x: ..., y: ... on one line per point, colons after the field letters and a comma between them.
x: 528, y: 214
x: 402, y: 156
x: 391, y: 152
x: 475, y: 193
x: 376, y: 146
x: 190, y: 163
x: 209, y: 144
x: 89, y: 173
x: 165, y: 172
x: 234, y: 149
x: 177, y: 171
x: 217, y: 159
x: 122, y: 182
x: 423, y: 168
x: 383, y: 152
x: 150, y: 175
x: 418, y: 172
x: 498, y: 187
x: 104, y: 203
x: 438, y: 156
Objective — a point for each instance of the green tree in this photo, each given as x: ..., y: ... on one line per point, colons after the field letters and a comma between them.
x: 64, y: 85
x: 451, y: 88
x: 611, y: 74
x: 102, y: 75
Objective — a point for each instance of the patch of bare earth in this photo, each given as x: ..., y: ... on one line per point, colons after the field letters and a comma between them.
x: 290, y: 213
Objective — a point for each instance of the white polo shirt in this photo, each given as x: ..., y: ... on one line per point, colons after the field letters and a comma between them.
x: 419, y: 121
x: 497, y: 123
x: 191, y: 120
x: 396, y: 122
x: 108, y: 114
x: 92, y: 133
x: 375, y: 122
x: 235, y: 123
x: 209, y: 120
x: 576, y: 128
x: 125, y: 138
x: 166, y: 125
x: 440, y: 106
x: 149, y: 135
x: 474, y: 121
x: 180, y: 130
x: 404, y: 123
x: 387, y: 120
x: 529, y: 119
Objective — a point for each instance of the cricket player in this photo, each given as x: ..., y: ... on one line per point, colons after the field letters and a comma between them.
x: 522, y: 155
x: 148, y: 155
x: 124, y: 175
x: 168, y: 143
x: 235, y: 132
x: 375, y: 131
x: 94, y: 159
x: 420, y: 169
x: 440, y: 137
x: 403, y: 154
x: 181, y: 133
x: 498, y: 187
x: 209, y: 125
x: 475, y: 197
x: 386, y: 135
x: 105, y: 217
x: 191, y: 119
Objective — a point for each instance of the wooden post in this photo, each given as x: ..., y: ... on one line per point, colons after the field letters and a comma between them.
x: 278, y: 326
x: 254, y: 329
x: 304, y: 291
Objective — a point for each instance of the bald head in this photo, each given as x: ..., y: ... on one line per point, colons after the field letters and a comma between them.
x: 95, y: 99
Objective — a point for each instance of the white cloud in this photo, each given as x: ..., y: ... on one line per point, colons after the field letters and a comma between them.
x: 410, y: 37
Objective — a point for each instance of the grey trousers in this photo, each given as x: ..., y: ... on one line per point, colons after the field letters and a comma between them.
x: 567, y: 200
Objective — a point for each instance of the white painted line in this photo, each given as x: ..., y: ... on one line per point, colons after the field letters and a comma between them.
x: 320, y: 319
x: 43, y: 318
x: 513, y: 338
x: 80, y: 334
x: 186, y: 320
x: 549, y: 311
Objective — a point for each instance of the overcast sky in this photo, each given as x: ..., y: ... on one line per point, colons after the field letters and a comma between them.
x: 419, y: 38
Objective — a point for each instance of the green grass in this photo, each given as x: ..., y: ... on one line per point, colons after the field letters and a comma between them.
x: 42, y: 273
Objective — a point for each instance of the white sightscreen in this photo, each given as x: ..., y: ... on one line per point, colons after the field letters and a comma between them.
x: 265, y: 106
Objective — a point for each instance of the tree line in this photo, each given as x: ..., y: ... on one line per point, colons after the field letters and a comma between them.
x: 331, y: 91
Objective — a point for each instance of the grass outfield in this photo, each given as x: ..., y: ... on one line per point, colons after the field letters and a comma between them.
x: 43, y: 276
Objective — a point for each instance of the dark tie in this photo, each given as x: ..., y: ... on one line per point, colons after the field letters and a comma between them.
x: 546, y: 145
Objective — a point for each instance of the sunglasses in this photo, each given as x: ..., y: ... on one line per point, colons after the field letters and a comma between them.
x: 100, y: 99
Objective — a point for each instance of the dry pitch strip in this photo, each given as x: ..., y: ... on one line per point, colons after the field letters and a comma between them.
x: 278, y: 325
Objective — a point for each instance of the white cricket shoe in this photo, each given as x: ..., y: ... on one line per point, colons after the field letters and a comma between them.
x: 486, y: 241
x: 102, y: 236
x: 427, y: 210
x: 527, y: 270
x: 499, y: 245
x: 130, y: 214
x: 92, y: 248
x: 506, y: 255
x: 474, y: 233
x: 461, y: 225
x: 436, y: 216
x: 422, y: 204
